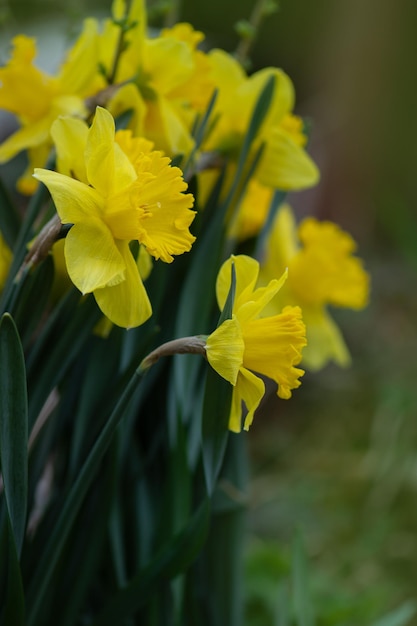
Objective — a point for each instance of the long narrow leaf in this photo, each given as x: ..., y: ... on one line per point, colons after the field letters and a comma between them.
x: 169, y: 562
x: 216, y: 408
x: 13, y: 427
x: 303, y: 609
x: 13, y: 610
x: 24, y: 236
x: 53, y: 549
x: 9, y: 219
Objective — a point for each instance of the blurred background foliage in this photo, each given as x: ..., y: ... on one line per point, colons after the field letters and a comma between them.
x: 338, y: 462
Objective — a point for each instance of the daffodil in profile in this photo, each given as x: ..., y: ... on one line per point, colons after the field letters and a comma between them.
x: 249, y: 344
x: 323, y: 271
x: 284, y: 164
x: 114, y: 189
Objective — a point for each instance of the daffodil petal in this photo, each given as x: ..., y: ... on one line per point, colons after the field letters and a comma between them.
x: 285, y: 165
x: 246, y: 269
x: 70, y: 137
x: 128, y: 98
x: 73, y: 199
x: 250, y: 390
x: 273, y: 347
x: 26, y: 137
x: 92, y: 257
x: 164, y: 127
x: 325, y: 270
x: 282, y: 100
x: 282, y: 242
x: 261, y: 297
x: 226, y: 340
x: 169, y: 62
x: 126, y: 304
x: 107, y: 166
x: 163, y: 226
x: 324, y: 341
x: 79, y: 72
x: 99, y: 152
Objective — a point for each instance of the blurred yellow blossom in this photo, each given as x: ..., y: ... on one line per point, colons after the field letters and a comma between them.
x: 322, y: 271
x: 37, y: 98
x: 247, y: 343
x: 124, y: 191
x: 252, y: 211
x: 284, y: 163
x: 164, y: 80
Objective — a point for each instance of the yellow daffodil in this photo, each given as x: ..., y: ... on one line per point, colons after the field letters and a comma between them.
x: 248, y: 343
x: 37, y: 99
x: 5, y: 261
x: 164, y: 80
x: 284, y: 163
x: 322, y: 271
x: 115, y: 189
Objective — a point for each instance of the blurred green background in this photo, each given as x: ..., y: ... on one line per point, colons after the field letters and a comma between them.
x: 339, y: 461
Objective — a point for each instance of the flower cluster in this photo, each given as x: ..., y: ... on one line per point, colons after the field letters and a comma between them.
x: 123, y: 112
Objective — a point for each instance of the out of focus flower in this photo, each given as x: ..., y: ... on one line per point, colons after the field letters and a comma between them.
x: 284, y: 163
x: 252, y: 211
x: 322, y: 271
x: 115, y: 189
x: 165, y: 80
x: 37, y: 98
x: 248, y: 343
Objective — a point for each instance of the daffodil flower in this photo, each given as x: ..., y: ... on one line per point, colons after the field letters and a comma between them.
x: 249, y: 343
x: 322, y: 271
x: 115, y: 189
x: 284, y: 164
x: 37, y: 98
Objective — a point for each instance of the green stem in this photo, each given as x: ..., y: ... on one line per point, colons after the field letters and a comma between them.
x: 120, y: 46
x: 246, y: 43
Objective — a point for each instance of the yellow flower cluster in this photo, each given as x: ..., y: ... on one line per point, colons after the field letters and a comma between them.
x: 113, y: 188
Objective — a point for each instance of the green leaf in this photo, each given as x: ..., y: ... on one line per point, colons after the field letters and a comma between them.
x: 53, y: 548
x: 170, y: 561
x: 277, y: 200
x: 9, y: 219
x: 259, y: 113
x: 222, y: 559
x: 33, y: 297
x: 303, y: 609
x: 25, y: 235
x: 216, y: 412
x: 88, y: 539
x: 53, y: 363
x: 200, y: 132
x: 13, y: 427
x: 13, y: 610
x: 398, y: 617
